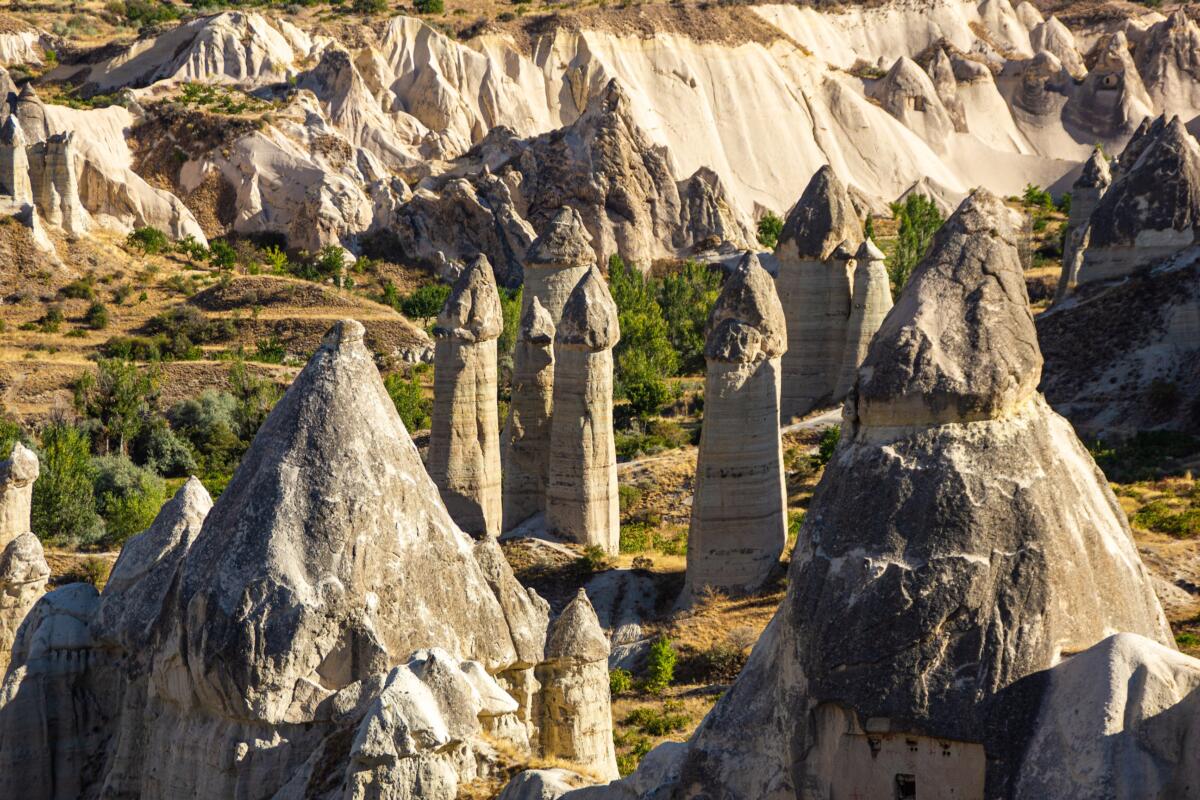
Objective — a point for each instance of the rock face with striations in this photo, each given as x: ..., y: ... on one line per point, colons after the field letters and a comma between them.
x: 23, y: 567
x: 1053, y: 37
x: 1112, y: 99
x: 329, y: 632
x: 55, y: 187
x: 739, y: 520
x: 14, y: 163
x: 1168, y: 59
x: 576, y: 715
x: 581, y: 498
x: 1086, y: 192
x: 909, y: 95
x: 525, y: 443
x: 870, y: 302
x: 952, y: 549
x: 464, y: 440
x: 556, y: 261
x: 1151, y: 211
x: 814, y: 288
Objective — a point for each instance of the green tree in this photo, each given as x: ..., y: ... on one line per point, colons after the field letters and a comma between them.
x: 255, y: 398
x: 660, y: 666
x: 369, y: 6
x: 644, y: 356
x: 192, y: 249
x: 128, y: 497
x: 425, y: 303
x: 769, y: 228
x: 411, y: 403
x: 118, y: 397
x: 686, y: 298
x: 919, y: 219
x: 97, y: 316
x: 1036, y: 197
x: 222, y: 255
x: 429, y: 6
x: 10, y: 433
x: 148, y: 240
x: 64, y: 504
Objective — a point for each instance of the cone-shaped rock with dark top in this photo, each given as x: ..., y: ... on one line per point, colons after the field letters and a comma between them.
x: 14, y: 163
x: 961, y: 540
x: 739, y: 505
x: 576, y: 714
x: 1168, y: 60
x: 329, y: 629
x: 581, y: 498
x: 525, y: 443
x: 556, y: 261
x: 464, y: 440
x: 1152, y: 210
x: 814, y: 288
x: 870, y: 303
x: 1086, y: 192
x: 23, y: 567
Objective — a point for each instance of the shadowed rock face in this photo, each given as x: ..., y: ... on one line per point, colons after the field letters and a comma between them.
x: 1086, y: 192
x: 952, y: 549
x: 870, y: 302
x: 739, y: 522
x: 1112, y: 99
x: 525, y: 443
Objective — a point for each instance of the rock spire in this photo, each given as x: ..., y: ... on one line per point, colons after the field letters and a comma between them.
x: 23, y: 567
x: 525, y: 443
x: 870, y: 302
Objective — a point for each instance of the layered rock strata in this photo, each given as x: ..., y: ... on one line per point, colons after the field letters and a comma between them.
x: 525, y: 442
x: 739, y: 504
x: 464, y: 440
x: 1086, y: 192
x: 814, y: 288
x: 55, y: 186
x: 14, y: 164
x: 871, y: 300
x: 581, y: 498
x: 576, y: 715
x: 23, y: 567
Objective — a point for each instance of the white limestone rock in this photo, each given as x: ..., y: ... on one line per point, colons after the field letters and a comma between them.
x: 14, y: 163
x: 1053, y: 37
x: 908, y: 94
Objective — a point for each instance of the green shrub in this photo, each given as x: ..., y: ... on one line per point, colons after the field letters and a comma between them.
x: 127, y: 497
x: 644, y: 355
x: 719, y: 663
x: 222, y: 255
x: 654, y: 722
x: 1187, y: 640
x: 52, y: 319
x: 594, y: 559
x: 270, y: 350
x: 628, y: 497
x: 97, y: 316
x: 64, y: 504
x: 160, y: 449
x: 426, y: 302
x: 619, y: 681
x: 117, y: 397
x: 211, y: 425
x: 686, y: 297
x: 192, y: 249
x: 1144, y: 457
x: 410, y: 401
x: 829, y: 441
x: 81, y: 289
x: 919, y: 219
x: 660, y: 666
x: 1036, y: 197
x: 1158, y: 516
x: 769, y: 228
x: 145, y: 13
x: 628, y: 762
x: 429, y: 6
x: 369, y: 6
x: 795, y: 522
x: 148, y: 240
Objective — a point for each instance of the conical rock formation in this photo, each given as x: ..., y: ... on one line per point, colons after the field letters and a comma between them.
x: 908, y: 94
x: 739, y: 520
x: 1056, y: 38
x: 525, y: 442
x: 1086, y: 192
x: 23, y: 567
x: 14, y: 163
x: 556, y: 261
x: 464, y: 440
x: 1112, y: 98
x: 870, y: 302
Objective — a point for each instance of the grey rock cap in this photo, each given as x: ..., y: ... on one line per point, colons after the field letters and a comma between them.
x: 822, y: 218
x: 576, y: 636
x: 472, y: 312
x: 746, y: 324
x: 536, y: 325
x: 564, y: 241
x: 589, y: 318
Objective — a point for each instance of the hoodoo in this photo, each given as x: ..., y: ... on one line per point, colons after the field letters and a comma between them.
x: 1086, y: 192
x: 556, y: 261
x: 581, y: 499
x: 23, y: 567
x: 739, y: 521
x: 870, y: 303
x: 525, y: 443
x: 814, y: 288
x: 464, y: 441
x: 14, y: 163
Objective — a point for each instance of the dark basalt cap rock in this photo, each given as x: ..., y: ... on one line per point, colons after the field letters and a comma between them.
x: 747, y: 322
x: 1096, y: 173
x: 536, y: 325
x: 822, y: 218
x: 1159, y: 191
x: 589, y: 318
x: 564, y: 241
x: 960, y: 344
x: 472, y: 312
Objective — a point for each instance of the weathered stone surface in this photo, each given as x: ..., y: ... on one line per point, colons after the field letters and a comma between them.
x: 870, y: 303
x: 944, y: 557
x: 739, y: 521
x: 814, y: 288
x: 908, y: 94
x: 1053, y: 37
x: 14, y: 163
x: 525, y: 442
x: 581, y: 498
x: 55, y: 187
x: 1151, y: 210
x: 1112, y: 100
x: 23, y: 567
x: 941, y: 72
x: 1168, y: 60
x: 464, y: 441
x: 1086, y: 192
x: 576, y: 715
x: 556, y: 261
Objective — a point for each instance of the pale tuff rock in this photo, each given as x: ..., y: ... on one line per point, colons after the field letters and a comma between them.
x: 556, y: 261
x: 464, y: 442
x: 814, y: 288
x: 1056, y: 38
x: 23, y: 567
x: 1112, y: 98
x: 14, y: 163
x: 539, y: 784
x: 1028, y: 14
x: 1086, y: 192
x: 525, y: 442
x: 908, y: 94
x: 55, y: 187
x: 941, y: 72
x: 285, y: 650
x: 1007, y: 29
x: 581, y: 498
x: 1151, y: 210
x: 1042, y: 92
x: 31, y: 113
x: 947, y: 554
x: 576, y: 717
x: 871, y: 300
x: 739, y: 520
x: 1168, y: 60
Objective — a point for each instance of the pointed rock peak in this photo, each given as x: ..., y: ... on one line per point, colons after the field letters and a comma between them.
x: 180, y: 519
x: 940, y: 68
x: 28, y: 94
x: 589, y: 318
x: 192, y: 498
x: 536, y: 324
x: 960, y: 344
x: 11, y: 134
x: 612, y: 98
x: 867, y: 251
x: 844, y: 252
x: 576, y: 636
x: 1028, y: 13
x: 1096, y: 173
x: 822, y: 218
x: 905, y: 69
x: 472, y: 312
x: 746, y: 323
x: 564, y: 242
x: 21, y: 467
x: 1055, y: 25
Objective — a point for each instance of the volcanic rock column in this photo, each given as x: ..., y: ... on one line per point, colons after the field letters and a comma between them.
x: 464, y: 443
x: 576, y: 714
x: 14, y: 163
x: 55, y: 186
x: 1086, y: 192
x: 525, y: 443
x: 739, y: 518
x: 556, y: 261
x: 871, y: 301
x: 814, y: 288
x: 581, y: 498
x: 23, y: 567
